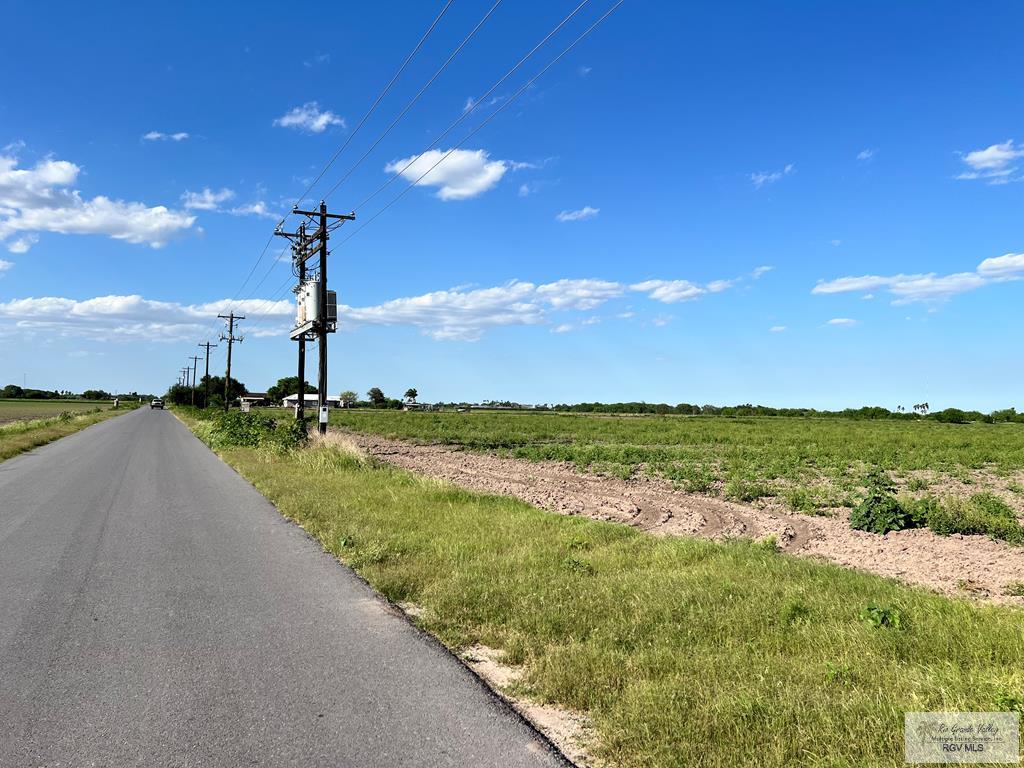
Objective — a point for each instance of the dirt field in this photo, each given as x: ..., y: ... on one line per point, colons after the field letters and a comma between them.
x: 23, y: 410
x: 973, y: 566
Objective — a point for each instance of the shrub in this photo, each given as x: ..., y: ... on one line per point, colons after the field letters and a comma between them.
x: 880, y: 511
x: 254, y: 430
x: 881, y: 617
x: 982, y: 514
x: 1014, y: 589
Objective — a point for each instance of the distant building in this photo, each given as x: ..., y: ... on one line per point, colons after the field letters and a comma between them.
x: 255, y: 398
x: 311, y: 401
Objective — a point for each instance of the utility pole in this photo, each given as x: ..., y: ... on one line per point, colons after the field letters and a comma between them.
x: 195, y: 366
x: 231, y: 317
x: 206, y: 378
x: 184, y: 377
x: 322, y: 315
x: 300, y: 252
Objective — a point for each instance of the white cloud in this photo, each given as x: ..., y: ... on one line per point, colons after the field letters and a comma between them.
x: 207, y: 200
x: 867, y: 297
x: 584, y: 71
x: 717, y: 286
x: 22, y: 244
x: 463, y: 174
x: 5, y: 265
x: 865, y: 154
x: 669, y: 291
x: 995, y: 163
x: 836, y: 243
x: 39, y: 199
x: 563, y: 328
x: 1008, y: 265
x: 129, y: 318
x: 309, y: 117
x: 259, y: 208
x: 662, y: 320
x: 762, y: 178
x: 777, y: 329
x: 842, y: 322
x: 584, y: 213
x: 579, y: 294
x: 159, y: 136
x: 758, y: 271
x: 524, y: 191
x: 930, y: 286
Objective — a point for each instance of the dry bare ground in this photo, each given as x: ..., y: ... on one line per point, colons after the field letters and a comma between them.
x: 972, y: 566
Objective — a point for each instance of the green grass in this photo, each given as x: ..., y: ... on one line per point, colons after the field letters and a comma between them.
x: 23, y: 410
x: 809, y: 463
x: 682, y: 651
x: 24, y: 435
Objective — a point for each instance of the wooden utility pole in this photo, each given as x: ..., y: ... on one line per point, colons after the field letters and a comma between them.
x: 195, y: 366
x: 206, y: 378
x: 231, y: 317
x: 300, y: 253
x: 322, y: 329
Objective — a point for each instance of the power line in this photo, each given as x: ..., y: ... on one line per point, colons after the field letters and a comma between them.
x: 477, y: 102
x: 414, y: 99
x: 490, y: 117
x: 345, y: 144
x: 377, y: 101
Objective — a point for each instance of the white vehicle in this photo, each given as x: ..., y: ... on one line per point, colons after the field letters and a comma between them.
x: 157, y: 403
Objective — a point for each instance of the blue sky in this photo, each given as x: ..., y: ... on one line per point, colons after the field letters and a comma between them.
x: 794, y: 203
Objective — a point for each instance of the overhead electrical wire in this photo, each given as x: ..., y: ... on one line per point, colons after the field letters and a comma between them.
x: 476, y: 103
x: 279, y: 293
x: 490, y: 117
x: 415, y: 98
x: 384, y: 92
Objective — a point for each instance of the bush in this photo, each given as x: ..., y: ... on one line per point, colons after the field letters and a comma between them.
x: 984, y: 514
x: 880, y: 511
x: 254, y: 430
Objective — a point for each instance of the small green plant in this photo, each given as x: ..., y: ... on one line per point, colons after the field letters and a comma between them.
x: 1006, y: 702
x: 796, y: 611
x: 880, y: 511
x: 837, y: 674
x: 1014, y: 589
x: 879, y: 617
x: 576, y: 565
x: 917, y: 484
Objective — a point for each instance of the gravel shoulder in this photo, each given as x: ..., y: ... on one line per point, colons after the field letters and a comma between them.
x: 971, y: 566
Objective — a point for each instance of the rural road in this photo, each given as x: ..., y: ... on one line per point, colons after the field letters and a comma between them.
x: 155, y: 610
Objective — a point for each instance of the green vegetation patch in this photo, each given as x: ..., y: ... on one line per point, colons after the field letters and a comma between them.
x: 675, y: 647
x: 741, y: 458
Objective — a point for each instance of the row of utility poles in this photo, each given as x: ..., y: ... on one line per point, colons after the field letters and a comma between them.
x: 317, y: 313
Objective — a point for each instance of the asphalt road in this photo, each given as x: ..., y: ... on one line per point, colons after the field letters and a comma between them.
x: 155, y: 610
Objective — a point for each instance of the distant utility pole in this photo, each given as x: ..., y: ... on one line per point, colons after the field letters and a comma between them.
x: 206, y: 378
x: 324, y: 322
x: 184, y: 376
x: 231, y: 317
x: 195, y: 366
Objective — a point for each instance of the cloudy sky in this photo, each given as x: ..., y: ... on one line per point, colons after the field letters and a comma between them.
x: 790, y: 203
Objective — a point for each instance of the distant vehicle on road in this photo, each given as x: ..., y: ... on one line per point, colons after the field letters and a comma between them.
x: 157, y: 403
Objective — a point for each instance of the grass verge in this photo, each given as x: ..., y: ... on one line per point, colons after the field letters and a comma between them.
x: 682, y: 651
x: 20, y: 436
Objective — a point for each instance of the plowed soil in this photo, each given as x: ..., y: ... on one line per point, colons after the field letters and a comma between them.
x: 972, y: 566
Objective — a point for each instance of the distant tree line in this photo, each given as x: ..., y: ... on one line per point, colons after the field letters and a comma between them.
x: 13, y: 391
x: 947, y: 416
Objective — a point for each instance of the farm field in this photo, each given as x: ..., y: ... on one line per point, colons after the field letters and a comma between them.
x: 665, y: 645
x: 805, y: 464
x: 21, y: 410
x: 27, y: 425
